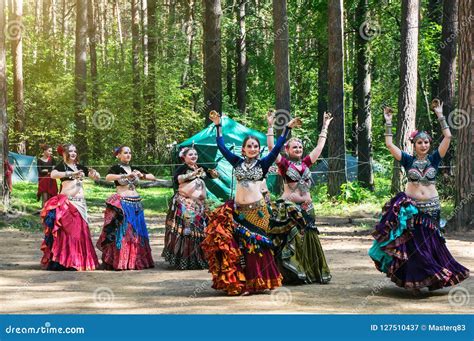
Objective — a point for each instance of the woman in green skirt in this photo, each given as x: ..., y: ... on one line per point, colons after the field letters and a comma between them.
x: 299, y: 254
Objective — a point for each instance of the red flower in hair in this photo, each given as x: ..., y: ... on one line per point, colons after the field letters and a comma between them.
x: 413, y: 134
x: 60, y: 150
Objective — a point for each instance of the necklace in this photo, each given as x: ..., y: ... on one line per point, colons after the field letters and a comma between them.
x: 249, y: 163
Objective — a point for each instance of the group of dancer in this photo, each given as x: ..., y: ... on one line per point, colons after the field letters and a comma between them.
x: 249, y: 244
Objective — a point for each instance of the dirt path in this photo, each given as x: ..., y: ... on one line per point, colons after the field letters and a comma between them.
x: 356, y: 287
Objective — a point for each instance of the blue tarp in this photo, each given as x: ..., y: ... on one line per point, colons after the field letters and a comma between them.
x: 24, y: 167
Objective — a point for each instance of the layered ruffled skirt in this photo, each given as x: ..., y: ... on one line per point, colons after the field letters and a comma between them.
x: 409, y: 246
x: 299, y: 254
x: 184, y: 233
x: 124, y: 240
x: 46, y: 185
x: 238, y: 250
x: 67, y: 243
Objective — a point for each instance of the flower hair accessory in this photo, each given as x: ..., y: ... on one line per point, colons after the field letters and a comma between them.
x: 293, y: 139
x: 60, y: 150
x: 183, y: 152
x: 117, y: 150
x: 416, y: 135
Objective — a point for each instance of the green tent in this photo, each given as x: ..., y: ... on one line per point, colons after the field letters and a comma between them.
x: 204, y: 142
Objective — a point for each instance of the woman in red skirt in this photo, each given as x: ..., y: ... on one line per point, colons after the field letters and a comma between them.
x: 47, y: 187
x: 67, y: 243
x: 124, y: 240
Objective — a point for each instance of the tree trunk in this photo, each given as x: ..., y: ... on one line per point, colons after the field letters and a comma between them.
x: 336, y: 136
x: 144, y: 19
x: 135, y: 62
x: 463, y: 213
x: 447, y: 67
x: 435, y: 15
x: 16, y: 14
x: 282, y: 68
x: 241, y: 72
x: 37, y: 29
x: 4, y: 190
x: 120, y: 33
x: 365, y: 173
x: 46, y: 21
x: 408, y: 84
x: 212, y: 57
x: 189, y: 27
x: 63, y: 33
x: 93, y: 53
x: 149, y: 93
x: 81, y: 78
x: 322, y: 92
x: 103, y: 30
x: 53, y: 19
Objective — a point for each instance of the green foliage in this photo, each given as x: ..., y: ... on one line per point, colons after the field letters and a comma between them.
x: 353, y: 192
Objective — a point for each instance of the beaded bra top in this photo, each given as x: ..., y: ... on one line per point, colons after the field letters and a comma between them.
x: 247, y: 172
x: 423, y: 172
x: 301, y: 177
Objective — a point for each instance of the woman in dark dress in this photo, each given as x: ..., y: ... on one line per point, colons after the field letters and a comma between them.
x: 47, y: 187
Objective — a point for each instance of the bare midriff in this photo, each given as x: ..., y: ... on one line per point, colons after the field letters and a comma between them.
x: 294, y: 194
x: 125, y: 191
x: 192, y: 190
x: 72, y: 188
x: 418, y: 191
x: 246, y: 195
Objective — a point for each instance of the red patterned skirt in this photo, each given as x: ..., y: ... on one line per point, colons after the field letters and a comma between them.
x: 46, y: 185
x: 124, y: 240
x: 238, y: 251
x: 67, y: 243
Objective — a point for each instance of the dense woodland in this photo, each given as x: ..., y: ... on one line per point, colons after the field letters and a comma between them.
x: 146, y: 73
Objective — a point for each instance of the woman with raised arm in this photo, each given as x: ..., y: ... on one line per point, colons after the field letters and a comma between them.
x: 124, y: 240
x: 187, y: 216
x: 237, y: 247
x: 299, y: 254
x: 67, y: 243
x: 47, y: 187
x: 409, y: 246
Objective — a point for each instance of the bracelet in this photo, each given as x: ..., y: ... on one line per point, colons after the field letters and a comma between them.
x: 218, y: 125
x: 388, y: 129
x: 68, y: 174
x: 443, y: 123
x: 322, y: 135
x: 324, y: 131
x: 270, y: 134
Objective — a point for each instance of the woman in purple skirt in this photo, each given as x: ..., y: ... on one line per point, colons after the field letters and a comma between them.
x: 409, y: 245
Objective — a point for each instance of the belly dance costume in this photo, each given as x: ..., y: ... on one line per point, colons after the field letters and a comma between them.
x: 409, y: 246
x: 237, y: 246
x: 185, y: 224
x: 300, y: 256
x: 67, y: 243
x: 124, y: 240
